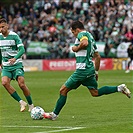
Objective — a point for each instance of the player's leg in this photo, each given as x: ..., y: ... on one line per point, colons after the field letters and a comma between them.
x: 128, y: 65
x: 112, y: 89
x: 6, y: 79
x: 63, y: 97
x: 19, y: 76
x: 26, y: 92
x: 6, y: 83
x: 59, y: 104
x: 103, y: 90
x: 61, y: 100
x: 91, y: 84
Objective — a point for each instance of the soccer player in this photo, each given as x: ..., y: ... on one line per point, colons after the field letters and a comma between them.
x: 12, y: 49
x: 86, y: 73
x: 130, y: 55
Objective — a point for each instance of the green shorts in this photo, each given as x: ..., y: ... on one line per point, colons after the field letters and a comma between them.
x: 13, y: 74
x: 77, y: 79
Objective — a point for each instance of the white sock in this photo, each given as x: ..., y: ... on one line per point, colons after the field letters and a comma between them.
x: 119, y: 87
x: 20, y: 101
x: 54, y: 114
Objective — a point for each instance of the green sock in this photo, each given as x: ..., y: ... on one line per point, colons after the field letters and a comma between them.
x: 60, y: 103
x: 16, y: 96
x: 107, y: 90
x: 29, y: 100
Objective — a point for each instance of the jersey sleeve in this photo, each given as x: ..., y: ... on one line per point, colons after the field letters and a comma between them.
x: 81, y: 36
x: 18, y: 41
x: 20, y: 47
x: 90, y: 38
x: 20, y: 53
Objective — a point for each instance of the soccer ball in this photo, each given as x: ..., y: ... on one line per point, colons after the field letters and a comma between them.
x: 37, y: 113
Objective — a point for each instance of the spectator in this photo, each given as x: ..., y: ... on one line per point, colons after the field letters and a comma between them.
x: 105, y: 20
x: 129, y: 36
x: 40, y: 34
x: 130, y: 55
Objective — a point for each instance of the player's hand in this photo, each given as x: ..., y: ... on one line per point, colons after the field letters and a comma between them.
x: 75, y: 48
x: 12, y: 61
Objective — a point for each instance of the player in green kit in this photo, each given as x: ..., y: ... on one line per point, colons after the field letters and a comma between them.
x: 12, y: 49
x: 86, y: 73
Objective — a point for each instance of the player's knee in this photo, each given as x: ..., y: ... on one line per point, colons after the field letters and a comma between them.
x: 5, y: 83
x: 64, y: 90
x: 94, y: 92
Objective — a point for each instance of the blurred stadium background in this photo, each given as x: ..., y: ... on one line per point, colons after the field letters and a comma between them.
x: 43, y: 26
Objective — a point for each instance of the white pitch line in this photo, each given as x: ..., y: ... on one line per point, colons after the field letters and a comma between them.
x: 60, y: 128
x: 53, y: 131
x: 13, y: 126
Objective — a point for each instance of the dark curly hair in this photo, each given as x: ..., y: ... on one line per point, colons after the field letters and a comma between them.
x: 77, y: 24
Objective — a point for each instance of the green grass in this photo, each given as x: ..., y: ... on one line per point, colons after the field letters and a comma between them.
x: 82, y: 112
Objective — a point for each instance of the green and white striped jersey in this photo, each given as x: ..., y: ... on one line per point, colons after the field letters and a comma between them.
x: 10, y: 47
x: 84, y: 57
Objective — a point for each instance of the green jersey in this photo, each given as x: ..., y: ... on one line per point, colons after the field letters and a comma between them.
x: 85, y: 71
x: 11, y: 47
x: 84, y: 56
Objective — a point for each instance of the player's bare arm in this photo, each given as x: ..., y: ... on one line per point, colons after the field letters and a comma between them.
x: 97, y: 63
x: 82, y: 45
x: 97, y: 58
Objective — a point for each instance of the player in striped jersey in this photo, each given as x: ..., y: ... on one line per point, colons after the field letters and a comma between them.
x: 12, y: 49
x: 86, y: 73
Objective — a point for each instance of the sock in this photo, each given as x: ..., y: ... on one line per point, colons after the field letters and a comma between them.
x: 29, y: 100
x: 60, y: 103
x: 107, y: 90
x: 16, y: 96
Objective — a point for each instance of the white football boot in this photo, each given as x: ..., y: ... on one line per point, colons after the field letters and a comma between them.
x: 30, y: 107
x: 127, y: 71
x: 50, y: 116
x: 23, y: 105
x: 122, y: 88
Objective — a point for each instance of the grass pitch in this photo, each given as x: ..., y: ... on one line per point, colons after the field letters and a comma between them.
x: 82, y: 112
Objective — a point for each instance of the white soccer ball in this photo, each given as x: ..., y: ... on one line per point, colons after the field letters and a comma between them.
x: 37, y: 113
